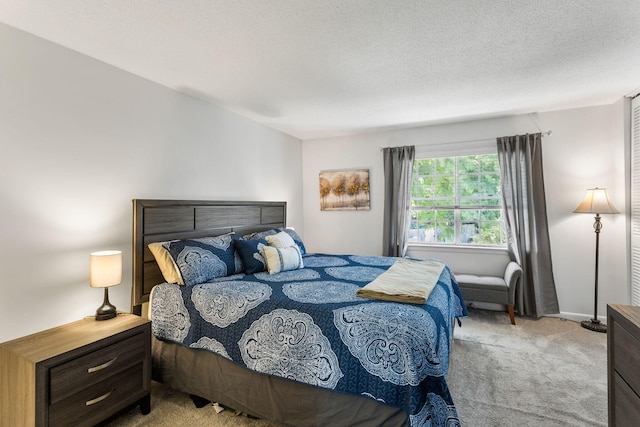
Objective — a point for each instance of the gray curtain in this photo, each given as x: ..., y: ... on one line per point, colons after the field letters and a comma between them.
x: 398, y: 170
x: 525, y: 217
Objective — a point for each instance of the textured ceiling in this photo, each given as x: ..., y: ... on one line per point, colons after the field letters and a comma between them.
x: 317, y: 68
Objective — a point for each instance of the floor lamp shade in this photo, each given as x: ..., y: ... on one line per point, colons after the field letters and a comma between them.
x: 105, y: 269
x: 596, y: 201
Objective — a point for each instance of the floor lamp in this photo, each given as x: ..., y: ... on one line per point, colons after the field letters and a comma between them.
x: 596, y: 202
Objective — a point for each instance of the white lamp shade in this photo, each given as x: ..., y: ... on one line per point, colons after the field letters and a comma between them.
x: 105, y: 269
x: 596, y: 201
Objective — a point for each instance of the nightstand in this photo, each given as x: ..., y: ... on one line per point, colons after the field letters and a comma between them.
x: 77, y: 374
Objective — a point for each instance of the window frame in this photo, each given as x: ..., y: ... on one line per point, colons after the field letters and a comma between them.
x: 457, y: 150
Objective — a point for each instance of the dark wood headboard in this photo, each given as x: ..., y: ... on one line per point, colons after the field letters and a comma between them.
x: 161, y: 220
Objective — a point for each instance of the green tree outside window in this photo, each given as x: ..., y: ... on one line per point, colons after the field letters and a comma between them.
x: 457, y: 201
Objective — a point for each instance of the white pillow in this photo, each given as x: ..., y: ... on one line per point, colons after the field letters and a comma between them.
x: 282, y: 259
x: 165, y: 261
x: 280, y: 240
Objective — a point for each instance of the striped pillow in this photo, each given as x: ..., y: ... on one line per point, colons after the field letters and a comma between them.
x: 282, y: 259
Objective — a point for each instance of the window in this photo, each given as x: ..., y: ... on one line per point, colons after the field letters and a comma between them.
x: 457, y: 201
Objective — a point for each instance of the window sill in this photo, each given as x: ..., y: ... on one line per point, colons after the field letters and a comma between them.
x: 419, y: 247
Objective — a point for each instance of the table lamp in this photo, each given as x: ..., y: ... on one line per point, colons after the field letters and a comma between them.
x: 105, y: 269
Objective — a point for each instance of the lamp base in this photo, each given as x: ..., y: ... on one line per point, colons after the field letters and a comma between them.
x: 107, y: 310
x: 594, y: 325
x: 103, y: 314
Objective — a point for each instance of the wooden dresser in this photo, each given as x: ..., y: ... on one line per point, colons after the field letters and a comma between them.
x: 623, y: 360
x: 77, y: 374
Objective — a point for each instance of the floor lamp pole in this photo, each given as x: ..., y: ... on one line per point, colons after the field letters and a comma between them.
x: 594, y: 324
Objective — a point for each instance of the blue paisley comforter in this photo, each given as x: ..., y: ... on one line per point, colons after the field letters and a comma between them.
x: 308, y: 325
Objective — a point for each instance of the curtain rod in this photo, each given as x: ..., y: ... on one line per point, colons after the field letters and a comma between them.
x: 546, y: 133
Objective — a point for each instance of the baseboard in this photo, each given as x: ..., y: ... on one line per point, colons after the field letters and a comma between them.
x: 576, y: 317
x: 487, y: 306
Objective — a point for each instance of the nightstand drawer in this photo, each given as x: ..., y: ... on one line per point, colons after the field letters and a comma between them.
x: 94, y: 367
x: 90, y: 405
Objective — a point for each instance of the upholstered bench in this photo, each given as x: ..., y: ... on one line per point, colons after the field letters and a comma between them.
x: 492, y: 289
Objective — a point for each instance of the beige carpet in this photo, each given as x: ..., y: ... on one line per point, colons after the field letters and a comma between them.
x: 546, y: 372
x: 543, y: 373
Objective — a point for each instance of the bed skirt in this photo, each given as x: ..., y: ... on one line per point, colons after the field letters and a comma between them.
x: 284, y: 402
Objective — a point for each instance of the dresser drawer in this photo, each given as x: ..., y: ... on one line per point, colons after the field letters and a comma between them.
x: 626, y: 353
x: 627, y: 407
x: 90, y: 405
x: 96, y: 366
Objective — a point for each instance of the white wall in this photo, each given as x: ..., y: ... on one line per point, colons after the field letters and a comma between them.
x: 79, y: 140
x: 586, y: 149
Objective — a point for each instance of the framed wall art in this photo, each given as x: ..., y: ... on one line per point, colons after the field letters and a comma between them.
x: 344, y: 190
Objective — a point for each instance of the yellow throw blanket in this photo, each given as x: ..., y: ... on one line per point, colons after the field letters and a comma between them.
x: 405, y: 281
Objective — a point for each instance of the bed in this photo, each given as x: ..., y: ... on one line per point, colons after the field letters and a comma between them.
x: 293, y: 344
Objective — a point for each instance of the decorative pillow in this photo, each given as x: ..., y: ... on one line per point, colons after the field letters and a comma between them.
x: 263, y: 234
x: 168, y: 267
x: 200, y: 260
x: 282, y: 259
x: 296, y: 238
x: 280, y: 240
x: 250, y: 254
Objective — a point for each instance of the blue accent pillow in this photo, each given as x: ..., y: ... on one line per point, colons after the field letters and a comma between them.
x: 262, y: 234
x: 204, y: 259
x: 250, y: 254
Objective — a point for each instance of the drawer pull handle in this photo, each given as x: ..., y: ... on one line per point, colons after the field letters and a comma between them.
x: 101, y: 367
x: 98, y: 399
